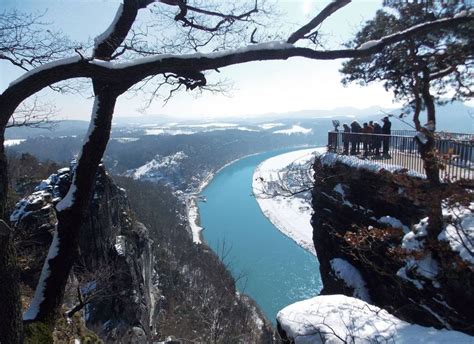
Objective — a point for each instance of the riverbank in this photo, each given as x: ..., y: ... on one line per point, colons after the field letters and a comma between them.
x: 192, y: 208
x: 191, y: 200
x: 291, y: 214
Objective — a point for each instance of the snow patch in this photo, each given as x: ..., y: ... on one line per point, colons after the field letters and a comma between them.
x: 424, y: 266
x: 266, y: 126
x: 295, y: 129
x: 461, y: 14
x: 210, y: 125
x: 394, y: 222
x: 274, y: 45
x: 193, y: 217
x: 125, y: 139
x: 351, y: 277
x: 368, y: 44
x: 416, y: 240
x: 103, y: 36
x: 247, y: 129
x: 46, y: 66
x: 159, y: 167
x: 120, y: 244
x: 421, y: 137
x: 329, y: 159
x: 68, y: 200
x: 459, y: 233
x: 166, y: 131
x: 13, y: 142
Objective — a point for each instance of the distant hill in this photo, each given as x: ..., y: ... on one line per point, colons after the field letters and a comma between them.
x: 454, y: 117
x: 59, y: 128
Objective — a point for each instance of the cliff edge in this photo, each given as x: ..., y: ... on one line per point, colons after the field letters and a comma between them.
x: 370, y: 234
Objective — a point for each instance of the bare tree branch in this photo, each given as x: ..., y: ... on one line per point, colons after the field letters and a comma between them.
x: 127, y: 74
x: 316, y: 21
x: 33, y: 114
x: 26, y: 42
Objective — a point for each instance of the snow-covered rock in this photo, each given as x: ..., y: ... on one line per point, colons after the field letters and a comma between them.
x: 351, y: 277
x: 115, y: 250
x: 342, y: 319
x: 459, y: 231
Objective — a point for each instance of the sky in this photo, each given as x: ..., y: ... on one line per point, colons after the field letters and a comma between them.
x: 255, y: 88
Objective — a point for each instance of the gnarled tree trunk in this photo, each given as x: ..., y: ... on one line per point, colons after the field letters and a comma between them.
x: 430, y: 160
x: 11, y: 326
x: 63, y: 252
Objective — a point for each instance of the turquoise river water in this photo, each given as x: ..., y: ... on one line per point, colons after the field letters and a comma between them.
x: 277, y: 272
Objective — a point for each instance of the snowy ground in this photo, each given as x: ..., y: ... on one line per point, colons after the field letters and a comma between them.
x: 343, y: 319
x: 295, y: 129
x: 290, y: 214
x: 193, y: 218
x: 13, y: 142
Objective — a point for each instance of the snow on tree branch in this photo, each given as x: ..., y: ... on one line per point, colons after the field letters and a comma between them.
x: 316, y: 21
x: 129, y: 73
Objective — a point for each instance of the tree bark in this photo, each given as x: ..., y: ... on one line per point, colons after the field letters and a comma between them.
x: 428, y: 151
x: 71, y: 214
x: 11, y: 326
x: 3, y: 178
x: 71, y: 210
x: 415, y: 85
x: 430, y: 159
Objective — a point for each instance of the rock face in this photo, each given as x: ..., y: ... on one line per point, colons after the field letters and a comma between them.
x: 115, y: 271
x: 368, y: 231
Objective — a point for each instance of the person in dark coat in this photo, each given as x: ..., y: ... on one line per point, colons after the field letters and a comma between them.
x: 367, y: 138
x: 346, y: 138
x: 355, y: 139
x: 371, y: 147
x: 377, y: 140
x: 386, y: 130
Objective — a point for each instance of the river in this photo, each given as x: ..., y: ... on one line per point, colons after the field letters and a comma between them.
x: 276, y: 271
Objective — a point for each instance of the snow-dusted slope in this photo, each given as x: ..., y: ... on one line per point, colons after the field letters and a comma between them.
x: 161, y: 168
x: 295, y: 129
x: 274, y: 182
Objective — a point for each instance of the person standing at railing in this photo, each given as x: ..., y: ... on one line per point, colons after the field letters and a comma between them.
x: 377, y: 139
x: 346, y: 138
x: 367, y: 138
x: 371, y: 147
x: 355, y: 137
x: 386, y: 130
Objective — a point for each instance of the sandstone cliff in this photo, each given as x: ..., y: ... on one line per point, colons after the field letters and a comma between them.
x: 370, y: 237
x: 115, y: 272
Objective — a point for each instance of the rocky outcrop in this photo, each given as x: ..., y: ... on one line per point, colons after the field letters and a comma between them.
x: 369, y: 231
x: 115, y: 271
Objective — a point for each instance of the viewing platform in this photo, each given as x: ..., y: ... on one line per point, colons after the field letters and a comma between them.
x: 455, y: 151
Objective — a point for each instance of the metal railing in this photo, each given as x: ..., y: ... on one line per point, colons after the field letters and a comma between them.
x: 455, y: 155
x: 442, y: 135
